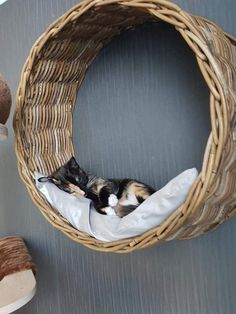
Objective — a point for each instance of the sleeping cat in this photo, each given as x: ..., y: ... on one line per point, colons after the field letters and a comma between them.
x: 109, y: 196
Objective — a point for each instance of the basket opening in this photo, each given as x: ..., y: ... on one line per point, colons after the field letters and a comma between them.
x: 140, y: 106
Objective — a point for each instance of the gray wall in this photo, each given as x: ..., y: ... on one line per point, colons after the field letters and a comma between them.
x: 143, y: 113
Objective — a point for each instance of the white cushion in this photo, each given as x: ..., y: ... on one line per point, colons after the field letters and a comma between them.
x: 151, y: 213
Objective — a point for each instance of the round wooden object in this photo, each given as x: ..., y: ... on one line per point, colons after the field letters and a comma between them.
x: 47, y: 92
x: 5, y: 106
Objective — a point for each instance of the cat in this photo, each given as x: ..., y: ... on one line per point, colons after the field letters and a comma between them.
x: 109, y: 196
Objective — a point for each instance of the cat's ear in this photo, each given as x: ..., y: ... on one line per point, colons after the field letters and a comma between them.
x: 49, y: 179
x: 45, y: 179
x: 73, y: 163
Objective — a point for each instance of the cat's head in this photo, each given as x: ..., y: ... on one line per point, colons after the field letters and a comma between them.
x: 70, y: 172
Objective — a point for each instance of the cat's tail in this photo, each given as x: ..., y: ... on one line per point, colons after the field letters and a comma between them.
x: 123, y: 210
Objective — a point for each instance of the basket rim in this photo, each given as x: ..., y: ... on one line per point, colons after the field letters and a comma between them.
x: 183, y: 22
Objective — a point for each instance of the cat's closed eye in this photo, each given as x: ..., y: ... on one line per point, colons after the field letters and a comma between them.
x: 79, y: 180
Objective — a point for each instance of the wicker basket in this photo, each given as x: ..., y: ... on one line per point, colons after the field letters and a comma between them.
x: 50, y: 79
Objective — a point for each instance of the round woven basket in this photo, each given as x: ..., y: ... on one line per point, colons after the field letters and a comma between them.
x: 48, y: 87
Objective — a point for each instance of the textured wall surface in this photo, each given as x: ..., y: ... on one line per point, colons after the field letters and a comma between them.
x: 143, y: 113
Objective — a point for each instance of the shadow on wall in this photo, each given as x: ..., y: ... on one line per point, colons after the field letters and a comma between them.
x: 143, y: 108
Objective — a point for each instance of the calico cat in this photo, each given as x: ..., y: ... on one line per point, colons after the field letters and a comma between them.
x: 109, y: 196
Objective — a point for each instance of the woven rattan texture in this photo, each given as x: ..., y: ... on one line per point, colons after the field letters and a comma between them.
x: 54, y: 71
x: 14, y: 256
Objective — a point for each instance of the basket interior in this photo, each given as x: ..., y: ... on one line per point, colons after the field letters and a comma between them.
x: 56, y: 75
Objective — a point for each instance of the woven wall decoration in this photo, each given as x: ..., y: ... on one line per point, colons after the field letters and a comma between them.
x: 47, y: 91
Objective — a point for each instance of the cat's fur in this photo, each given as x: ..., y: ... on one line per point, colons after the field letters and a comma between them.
x: 109, y: 196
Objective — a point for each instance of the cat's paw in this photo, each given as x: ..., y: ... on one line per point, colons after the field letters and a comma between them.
x: 109, y: 211
x: 112, y: 200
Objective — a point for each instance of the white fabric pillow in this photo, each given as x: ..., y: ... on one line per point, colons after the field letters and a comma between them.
x: 151, y: 213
